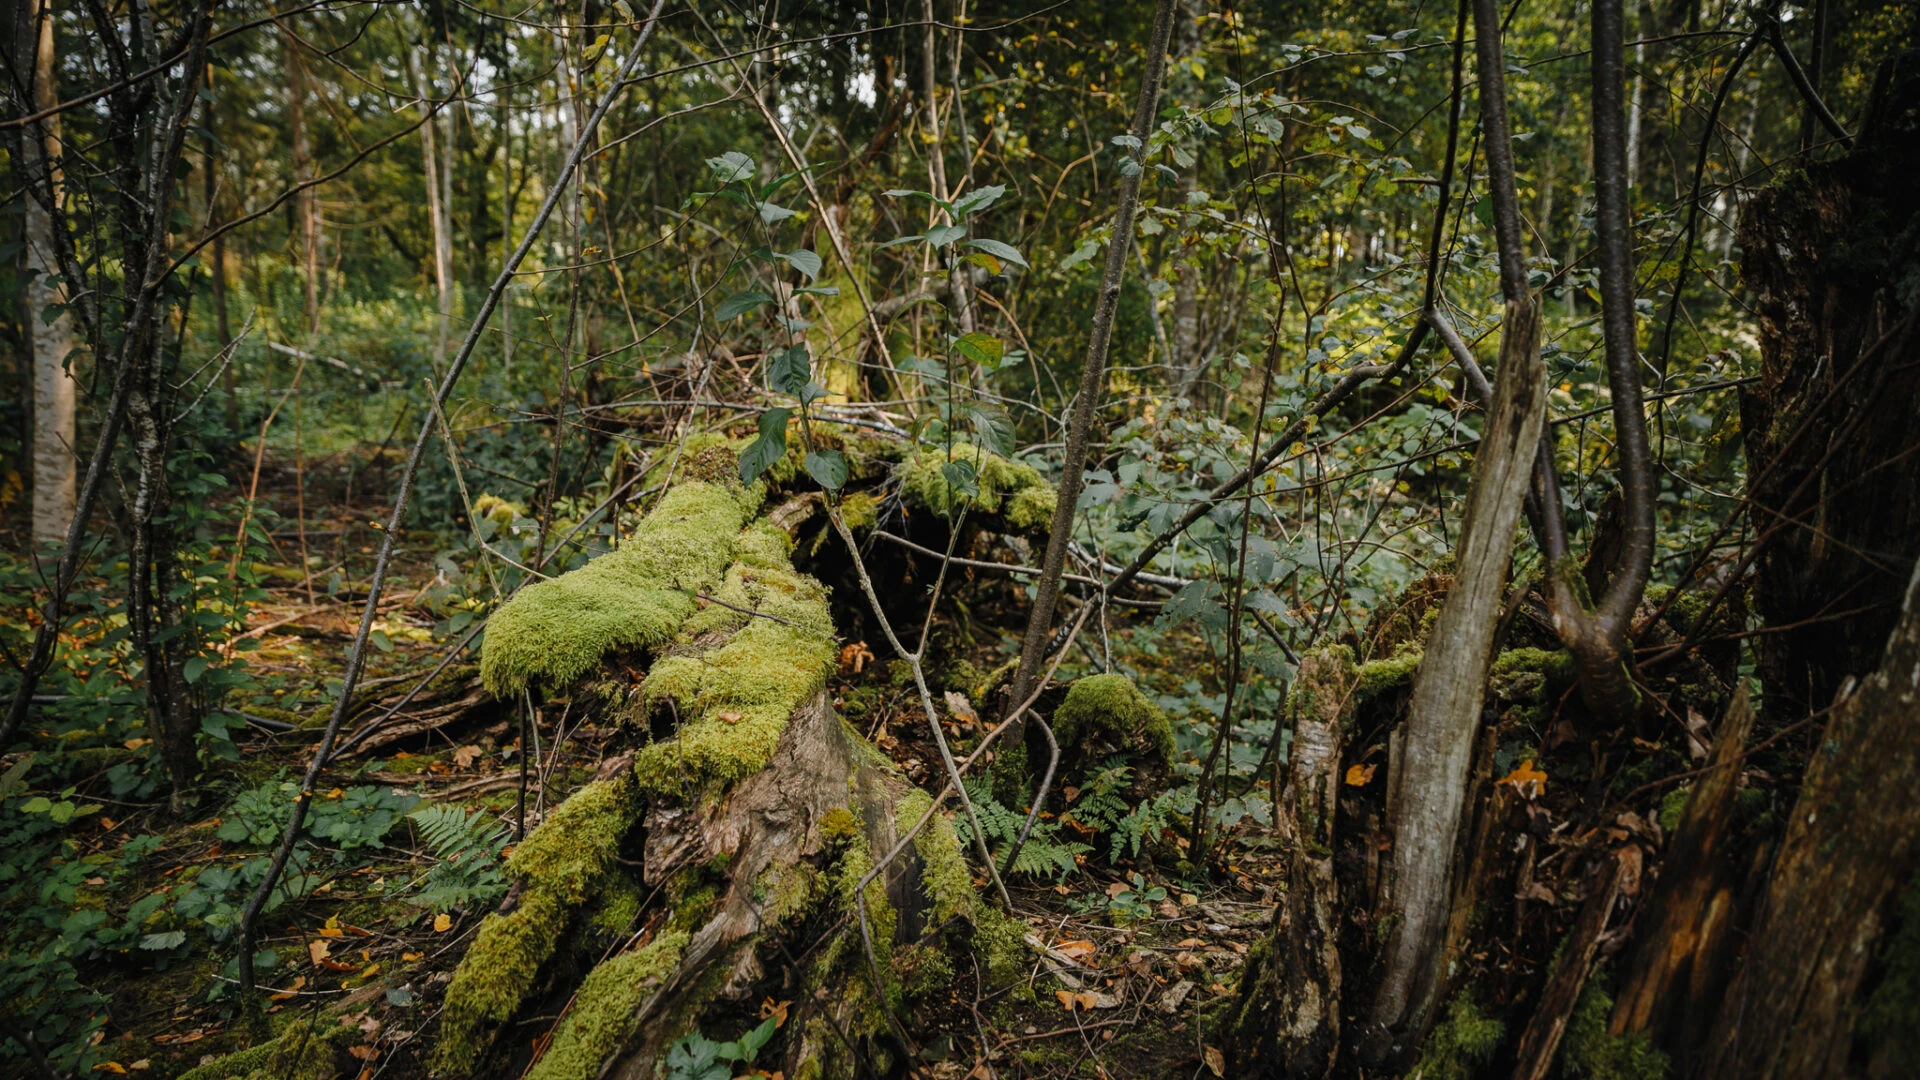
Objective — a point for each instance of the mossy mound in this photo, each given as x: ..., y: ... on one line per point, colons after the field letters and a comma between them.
x: 555, y: 631
x: 1014, y: 490
x: 1461, y: 1043
x: 308, y: 1048
x: 603, y: 1010
x: 733, y: 700
x: 559, y: 866
x: 1110, y: 709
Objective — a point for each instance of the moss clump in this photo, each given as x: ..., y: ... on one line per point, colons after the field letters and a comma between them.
x: 1530, y: 678
x: 1379, y: 676
x: 1461, y: 1042
x: 1588, y: 1051
x: 1014, y: 490
x: 1672, y: 805
x: 943, y: 870
x: 734, y: 700
x: 859, y: 510
x: 555, y: 631
x: 306, y: 1049
x: 1111, y: 708
x: 561, y: 864
x: 603, y: 1009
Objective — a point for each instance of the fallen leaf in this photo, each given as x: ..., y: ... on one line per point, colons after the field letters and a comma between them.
x: 95, y: 881
x: 291, y: 992
x: 1360, y: 775
x: 775, y: 1009
x: 106, y: 823
x: 1216, y: 1061
x: 732, y: 717
x: 442, y: 923
x: 319, y: 950
x: 856, y: 656
x: 1065, y: 997
x: 466, y: 755
x: 1077, y: 950
x: 410, y: 957
x: 369, y: 971
x: 1527, y: 779
x: 363, y: 1052
x: 1114, y: 890
x: 1190, y: 943
x: 1169, y: 909
x: 113, y: 1067
x: 135, y: 744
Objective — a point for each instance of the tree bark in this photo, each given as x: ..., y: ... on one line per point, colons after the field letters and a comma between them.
x: 54, y: 460
x: 1805, y: 1004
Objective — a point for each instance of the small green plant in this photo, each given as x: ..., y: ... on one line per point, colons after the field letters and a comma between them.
x: 697, y: 1057
x: 355, y: 818
x: 1137, y: 902
x: 1043, y: 855
x: 466, y: 847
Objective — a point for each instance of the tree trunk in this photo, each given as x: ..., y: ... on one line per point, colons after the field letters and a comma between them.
x: 1826, y: 989
x: 1832, y: 447
x: 1287, y: 1021
x: 307, y: 202
x: 436, y: 216
x: 54, y: 463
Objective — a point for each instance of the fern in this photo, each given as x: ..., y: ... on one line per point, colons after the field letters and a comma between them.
x: 1102, y: 807
x: 1043, y: 855
x: 466, y: 848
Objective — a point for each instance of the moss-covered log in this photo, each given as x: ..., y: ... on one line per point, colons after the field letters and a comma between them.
x: 720, y: 863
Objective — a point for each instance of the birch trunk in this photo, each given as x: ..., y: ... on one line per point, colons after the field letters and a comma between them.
x: 53, y: 385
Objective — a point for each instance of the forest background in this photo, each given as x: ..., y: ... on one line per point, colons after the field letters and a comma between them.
x: 334, y: 326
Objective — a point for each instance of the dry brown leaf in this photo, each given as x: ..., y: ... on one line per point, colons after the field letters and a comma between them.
x: 318, y: 950
x: 1077, y: 950
x: 465, y: 756
x: 1190, y: 943
x: 364, y: 1052
x: 732, y: 717
x: 1118, y: 887
x: 1065, y: 997
x: 1216, y: 1061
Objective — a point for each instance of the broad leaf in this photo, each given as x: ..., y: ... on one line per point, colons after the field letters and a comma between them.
x: 998, y: 250
x: 804, y: 261
x: 828, y: 469
x: 941, y: 235
x: 787, y: 370
x: 982, y: 349
x: 730, y: 166
x: 961, y: 477
x: 740, y: 303
x: 977, y: 200
x: 767, y: 448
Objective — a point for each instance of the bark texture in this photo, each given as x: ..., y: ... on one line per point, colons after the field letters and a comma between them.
x: 1426, y: 802
x: 1831, y: 441
x: 1287, y: 1022
x: 1827, y: 989
x: 54, y: 463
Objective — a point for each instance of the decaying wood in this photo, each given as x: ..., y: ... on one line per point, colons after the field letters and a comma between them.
x: 1562, y: 992
x: 1288, y: 1020
x: 1684, y: 942
x: 1795, y: 1007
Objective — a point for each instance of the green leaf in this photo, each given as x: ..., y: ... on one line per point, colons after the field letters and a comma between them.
x: 828, y: 469
x: 770, y: 446
x: 193, y: 669
x: 977, y: 200
x: 172, y: 939
x: 399, y: 996
x: 941, y: 235
x: 787, y: 370
x: 380, y: 641
x: 730, y: 166
x: 961, y: 477
x: 770, y: 213
x: 740, y: 303
x: 1131, y: 142
x: 999, y: 251
x: 39, y: 804
x: 819, y: 290
x: 804, y: 261
x: 983, y: 349
x: 1087, y: 250
x: 1483, y: 210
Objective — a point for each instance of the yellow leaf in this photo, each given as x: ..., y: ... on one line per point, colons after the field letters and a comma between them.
x: 113, y: 1067
x: 410, y: 957
x: 1216, y: 1061
x: 369, y: 971
x: 319, y: 950
x: 1065, y: 998
x: 442, y: 923
x: 777, y: 1010
x: 1359, y: 775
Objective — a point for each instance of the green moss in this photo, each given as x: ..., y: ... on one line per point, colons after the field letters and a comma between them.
x: 555, y: 631
x: 1110, y: 706
x: 859, y: 510
x: 1014, y: 490
x: 734, y: 700
x: 1531, y: 678
x: 839, y: 824
x: 1460, y: 1043
x: 562, y: 862
x: 1379, y: 676
x: 1890, y: 1018
x: 1588, y: 1051
x: 604, y: 1007
x: 307, y: 1049
x: 1672, y: 805
x: 943, y: 870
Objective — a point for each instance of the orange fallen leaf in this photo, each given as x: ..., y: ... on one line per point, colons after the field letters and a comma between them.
x: 113, y: 1067
x: 318, y: 950
x: 1190, y: 943
x: 777, y: 1010
x: 1360, y: 775
x: 292, y: 991
x: 364, y: 1052
x: 1065, y: 998
x: 1077, y: 949
x: 135, y: 744
x: 1527, y: 779
x: 410, y: 957
x: 442, y: 923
